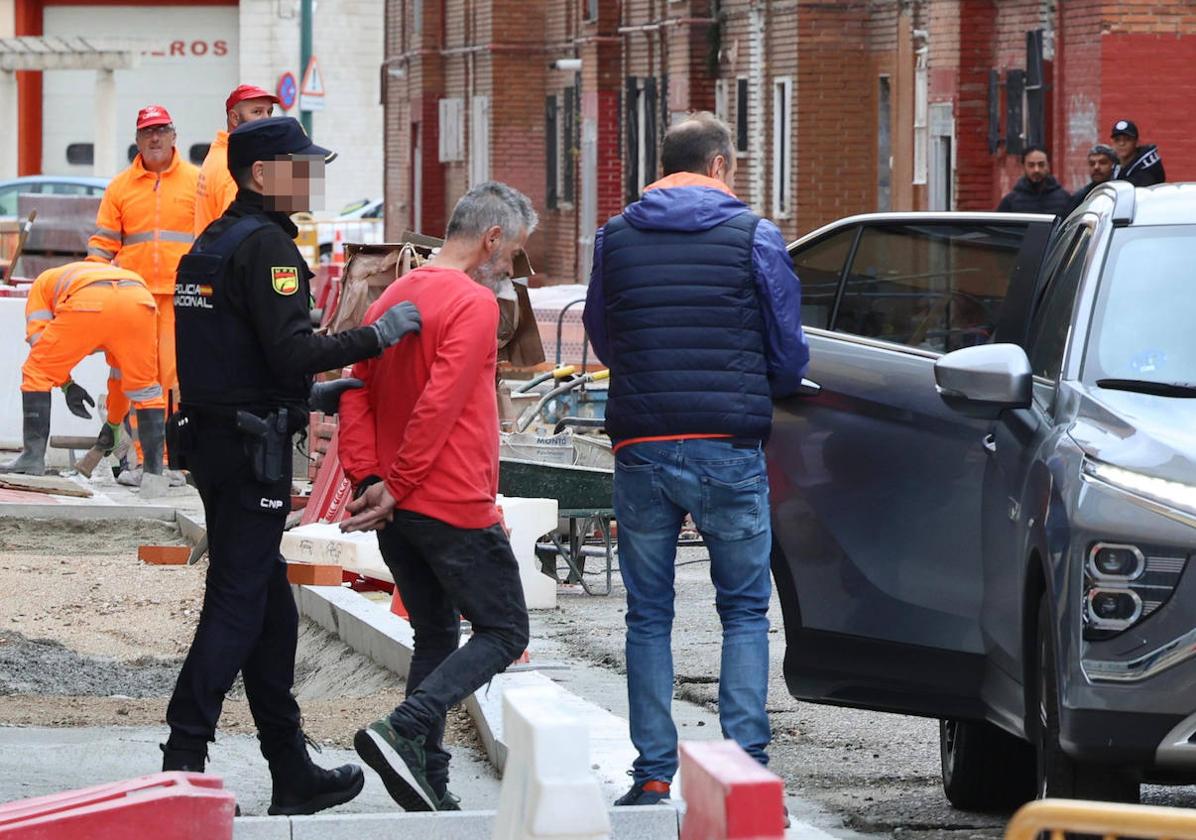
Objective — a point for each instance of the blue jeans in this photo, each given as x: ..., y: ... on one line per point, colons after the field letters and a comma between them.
x: 725, y: 488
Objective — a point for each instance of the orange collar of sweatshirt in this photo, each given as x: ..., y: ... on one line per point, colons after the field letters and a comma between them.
x: 689, y: 179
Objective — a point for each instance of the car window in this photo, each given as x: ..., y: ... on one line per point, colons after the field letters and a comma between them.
x: 934, y: 286
x: 8, y: 200
x: 373, y: 212
x: 58, y: 188
x: 1142, y: 323
x: 1052, y: 322
x: 819, y: 267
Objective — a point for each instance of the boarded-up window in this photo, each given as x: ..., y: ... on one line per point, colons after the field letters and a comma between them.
x: 569, y: 143
x: 994, y: 111
x: 551, y: 140
x: 1035, y: 91
x: 631, y: 124
x: 741, y: 115
x: 452, y: 135
x: 479, y: 140
x: 1015, y: 88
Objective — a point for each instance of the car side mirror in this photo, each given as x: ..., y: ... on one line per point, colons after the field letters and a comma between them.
x: 984, y: 381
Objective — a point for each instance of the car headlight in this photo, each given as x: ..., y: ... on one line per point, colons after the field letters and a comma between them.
x: 1161, y: 491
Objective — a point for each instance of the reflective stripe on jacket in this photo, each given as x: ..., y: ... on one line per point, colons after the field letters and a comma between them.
x: 146, y: 222
x: 54, y: 287
x: 216, y: 188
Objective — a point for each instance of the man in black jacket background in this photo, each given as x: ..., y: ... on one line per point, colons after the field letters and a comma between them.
x: 1036, y: 191
x: 1140, y: 165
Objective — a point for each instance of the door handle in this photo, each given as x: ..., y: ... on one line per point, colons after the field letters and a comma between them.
x: 990, y: 443
x: 808, y: 388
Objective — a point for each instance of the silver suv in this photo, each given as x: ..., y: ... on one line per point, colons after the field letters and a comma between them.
x: 985, y: 513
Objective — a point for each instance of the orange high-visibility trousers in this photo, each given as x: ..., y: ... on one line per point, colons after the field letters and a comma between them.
x: 118, y: 318
x: 167, y: 372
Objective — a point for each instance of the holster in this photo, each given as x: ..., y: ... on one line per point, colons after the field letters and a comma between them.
x: 179, y: 439
x: 267, y: 443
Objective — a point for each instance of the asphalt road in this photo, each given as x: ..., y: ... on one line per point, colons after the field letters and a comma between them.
x: 878, y: 772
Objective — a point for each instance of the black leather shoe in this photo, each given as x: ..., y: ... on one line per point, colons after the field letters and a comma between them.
x: 302, y: 787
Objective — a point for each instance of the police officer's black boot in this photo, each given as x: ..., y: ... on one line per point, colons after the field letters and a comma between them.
x: 151, y: 429
x: 177, y: 757
x: 302, y: 787
x: 32, y: 460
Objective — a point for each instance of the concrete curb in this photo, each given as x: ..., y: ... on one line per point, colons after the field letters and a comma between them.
x: 88, y: 512
x: 649, y: 823
x: 372, y: 630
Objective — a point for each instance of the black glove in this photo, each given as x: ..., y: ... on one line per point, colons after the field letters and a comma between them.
x: 325, y: 397
x: 396, y: 322
x: 76, y: 396
x: 107, y: 438
x: 366, y: 483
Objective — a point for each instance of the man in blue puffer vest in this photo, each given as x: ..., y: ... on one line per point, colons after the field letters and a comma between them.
x: 694, y: 307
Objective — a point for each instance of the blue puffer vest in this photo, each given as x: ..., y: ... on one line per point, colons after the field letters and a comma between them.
x: 686, y: 332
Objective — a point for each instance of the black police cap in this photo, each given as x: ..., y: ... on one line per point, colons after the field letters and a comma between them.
x: 268, y: 139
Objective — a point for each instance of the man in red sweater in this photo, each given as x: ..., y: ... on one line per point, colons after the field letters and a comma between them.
x: 420, y: 443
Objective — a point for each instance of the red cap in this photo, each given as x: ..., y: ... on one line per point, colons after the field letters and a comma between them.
x: 244, y: 92
x: 152, y: 115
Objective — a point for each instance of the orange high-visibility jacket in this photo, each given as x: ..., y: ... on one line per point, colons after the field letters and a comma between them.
x: 54, y: 287
x: 217, y: 189
x: 146, y: 221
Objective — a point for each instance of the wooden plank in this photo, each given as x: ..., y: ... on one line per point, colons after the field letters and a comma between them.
x: 50, y: 484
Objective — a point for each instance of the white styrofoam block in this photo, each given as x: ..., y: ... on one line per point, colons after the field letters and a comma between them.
x: 530, y: 519
x: 548, y: 790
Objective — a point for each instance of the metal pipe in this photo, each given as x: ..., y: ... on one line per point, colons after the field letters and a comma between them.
x: 304, y: 54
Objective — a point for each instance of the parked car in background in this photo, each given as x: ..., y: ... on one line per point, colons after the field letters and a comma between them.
x: 359, y: 222
x: 46, y: 184
x: 1004, y: 549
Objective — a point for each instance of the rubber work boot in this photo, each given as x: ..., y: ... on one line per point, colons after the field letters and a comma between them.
x: 32, y: 460
x: 302, y: 787
x: 151, y: 429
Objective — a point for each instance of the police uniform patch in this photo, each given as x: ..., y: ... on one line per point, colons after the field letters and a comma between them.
x: 285, y: 279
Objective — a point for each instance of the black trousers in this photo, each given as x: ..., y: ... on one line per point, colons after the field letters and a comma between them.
x: 249, y: 623
x: 441, y: 571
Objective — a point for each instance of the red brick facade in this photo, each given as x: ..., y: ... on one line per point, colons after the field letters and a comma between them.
x: 837, y: 107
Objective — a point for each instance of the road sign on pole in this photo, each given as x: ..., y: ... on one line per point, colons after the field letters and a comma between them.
x: 287, y: 90
x: 311, y: 91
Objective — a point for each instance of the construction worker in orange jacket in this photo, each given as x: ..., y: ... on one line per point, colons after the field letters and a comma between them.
x: 146, y: 221
x: 217, y: 189
x: 72, y: 311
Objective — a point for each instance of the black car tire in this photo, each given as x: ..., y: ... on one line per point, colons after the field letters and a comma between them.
x: 984, y: 767
x: 1060, y: 776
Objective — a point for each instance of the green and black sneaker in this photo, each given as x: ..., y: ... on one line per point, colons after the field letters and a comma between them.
x: 449, y: 802
x: 399, y: 762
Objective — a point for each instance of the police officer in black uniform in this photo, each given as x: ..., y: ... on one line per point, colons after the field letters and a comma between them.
x: 246, y: 355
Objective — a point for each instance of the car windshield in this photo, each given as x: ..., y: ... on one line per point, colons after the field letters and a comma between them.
x: 1142, y: 326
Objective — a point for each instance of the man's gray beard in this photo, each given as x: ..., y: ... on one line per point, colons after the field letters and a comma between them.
x: 488, y: 274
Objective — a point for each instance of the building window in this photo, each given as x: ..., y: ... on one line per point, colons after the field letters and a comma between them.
x: 417, y: 16
x: 569, y: 143
x: 551, y: 145
x: 1015, y: 92
x: 994, y: 111
x: 1035, y: 90
x: 782, y: 152
x: 884, y: 145
x: 132, y: 152
x: 741, y: 115
x: 631, y: 144
x: 591, y: 9
x: 647, y: 133
x: 81, y: 154
x: 921, y: 116
x: 452, y: 135
x: 722, y: 108
x: 479, y: 140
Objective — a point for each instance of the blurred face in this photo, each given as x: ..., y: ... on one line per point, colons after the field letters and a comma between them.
x: 1100, y: 168
x: 291, y: 184
x: 156, y: 145
x: 1124, y: 145
x: 1037, y: 167
x: 250, y: 110
x: 497, y: 257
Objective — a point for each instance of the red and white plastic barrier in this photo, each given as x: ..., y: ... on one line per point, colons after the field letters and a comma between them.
x: 164, y: 806
x: 728, y: 795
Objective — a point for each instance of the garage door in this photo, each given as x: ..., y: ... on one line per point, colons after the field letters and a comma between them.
x: 189, y: 66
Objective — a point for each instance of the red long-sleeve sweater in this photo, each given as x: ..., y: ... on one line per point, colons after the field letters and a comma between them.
x: 426, y: 421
